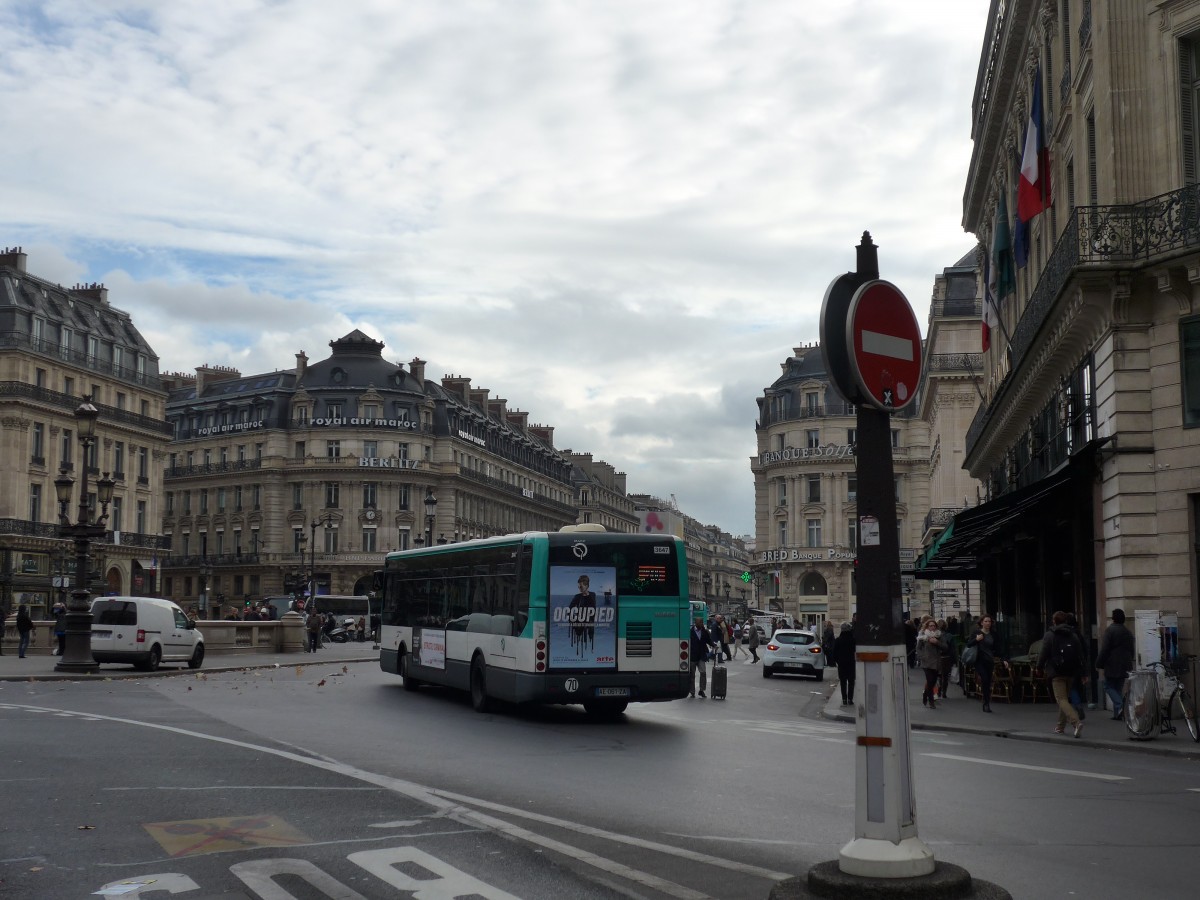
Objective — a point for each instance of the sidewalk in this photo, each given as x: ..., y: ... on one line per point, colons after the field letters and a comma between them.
x: 41, y: 667
x: 1018, y: 721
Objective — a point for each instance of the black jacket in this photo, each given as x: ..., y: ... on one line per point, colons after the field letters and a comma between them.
x: 844, y: 647
x: 1116, y: 652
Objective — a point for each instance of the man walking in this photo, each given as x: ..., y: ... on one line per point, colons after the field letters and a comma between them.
x: 753, y: 642
x: 1116, y: 659
x: 1062, y: 659
x: 700, y: 645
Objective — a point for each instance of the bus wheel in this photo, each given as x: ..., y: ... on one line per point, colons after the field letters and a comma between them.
x: 605, y: 709
x: 479, y: 696
x: 410, y: 683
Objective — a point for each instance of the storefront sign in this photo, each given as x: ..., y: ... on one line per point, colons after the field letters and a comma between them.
x: 807, y: 554
x: 230, y: 429
x: 387, y: 462
x: 354, y: 421
x: 829, y: 451
x: 467, y: 436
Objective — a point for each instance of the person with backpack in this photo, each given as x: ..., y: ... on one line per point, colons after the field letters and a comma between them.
x: 1062, y: 659
x: 984, y: 642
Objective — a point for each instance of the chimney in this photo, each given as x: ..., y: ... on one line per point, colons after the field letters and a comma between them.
x: 13, y: 257
x: 206, y: 375
x: 457, y: 385
x: 498, y: 408
x: 479, y: 397
x: 518, y: 419
x: 93, y: 291
x: 417, y: 367
x: 619, y: 484
x: 544, y: 433
x: 301, y: 365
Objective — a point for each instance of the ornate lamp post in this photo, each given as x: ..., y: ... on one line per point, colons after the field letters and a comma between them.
x: 430, y: 513
x: 77, y: 655
x: 707, y: 580
x: 327, y: 521
x: 727, y: 598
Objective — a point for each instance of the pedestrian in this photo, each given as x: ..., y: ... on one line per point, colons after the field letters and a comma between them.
x: 952, y: 627
x: 716, y: 633
x: 752, y: 644
x: 24, y: 627
x: 827, y: 640
x: 1062, y: 659
x: 843, y: 656
x: 375, y: 620
x: 60, y: 627
x: 360, y: 628
x: 1077, y: 690
x: 701, y: 644
x: 737, y: 638
x: 929, y: 655
x: 1116, y: 659
x: 726, y: 638
x: 948, y: 659
x: 315, y: 623
x: 984, y: 642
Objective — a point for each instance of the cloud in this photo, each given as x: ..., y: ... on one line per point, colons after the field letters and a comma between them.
x: 620, y: 216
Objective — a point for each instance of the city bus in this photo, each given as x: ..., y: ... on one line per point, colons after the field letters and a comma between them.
x: 581, y: 615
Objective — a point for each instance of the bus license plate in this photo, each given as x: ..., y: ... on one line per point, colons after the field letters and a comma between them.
x: 612, y: 692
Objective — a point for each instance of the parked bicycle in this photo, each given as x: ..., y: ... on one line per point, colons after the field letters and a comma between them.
x: 1156, y: 698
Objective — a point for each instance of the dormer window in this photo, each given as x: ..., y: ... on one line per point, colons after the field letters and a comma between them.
x: 337, y: 376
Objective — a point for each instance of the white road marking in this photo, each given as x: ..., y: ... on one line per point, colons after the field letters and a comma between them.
x: 1047, y: 769
x: 445, y: 802
x: 887, y: 345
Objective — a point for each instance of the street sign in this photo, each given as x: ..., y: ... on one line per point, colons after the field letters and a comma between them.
x: 883, y: 341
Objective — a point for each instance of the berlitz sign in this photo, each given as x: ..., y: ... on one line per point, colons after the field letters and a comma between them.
x: 387, y: 462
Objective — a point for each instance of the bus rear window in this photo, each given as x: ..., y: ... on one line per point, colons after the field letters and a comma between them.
x: 644, y: 569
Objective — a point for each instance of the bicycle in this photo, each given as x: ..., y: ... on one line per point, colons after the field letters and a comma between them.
x: 1155, y: 696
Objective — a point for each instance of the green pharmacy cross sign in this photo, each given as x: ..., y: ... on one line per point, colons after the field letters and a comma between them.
x: 746, y: 577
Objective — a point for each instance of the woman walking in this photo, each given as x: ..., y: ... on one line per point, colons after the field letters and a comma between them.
x: 984, y: 643
x: 947, y: 649
x: 753, y: 642
x: 929, y: 657
x: 843, y: 657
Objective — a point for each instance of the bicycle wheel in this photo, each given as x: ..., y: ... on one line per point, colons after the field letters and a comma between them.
x: 1183, y: 706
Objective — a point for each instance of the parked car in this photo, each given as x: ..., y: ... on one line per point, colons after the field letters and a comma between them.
x: 793, y: 651
x: 144, y: 631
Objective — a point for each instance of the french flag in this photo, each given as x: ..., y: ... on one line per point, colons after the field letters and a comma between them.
x: 1033, y: 187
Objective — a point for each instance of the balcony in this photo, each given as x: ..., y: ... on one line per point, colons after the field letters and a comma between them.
x: 69, y: 403
x: 955, y: 362
x: 16, y: 340
x: 220, y: 559
x: 1097, y: 240
x: 773, y: 417
x: 27, y: 528
x: 245, y: 465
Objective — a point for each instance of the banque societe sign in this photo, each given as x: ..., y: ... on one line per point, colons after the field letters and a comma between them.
x: 829, y: 451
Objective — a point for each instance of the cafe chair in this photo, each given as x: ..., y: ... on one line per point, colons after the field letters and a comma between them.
x: 1002, y: 682
x: 1034, y: 686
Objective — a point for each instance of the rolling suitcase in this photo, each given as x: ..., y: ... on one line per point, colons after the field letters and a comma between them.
x: 720, y: 679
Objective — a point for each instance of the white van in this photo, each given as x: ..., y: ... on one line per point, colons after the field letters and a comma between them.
x: 144, y: 631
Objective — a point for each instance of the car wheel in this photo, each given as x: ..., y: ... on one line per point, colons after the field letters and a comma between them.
x: 197, y: 659
x: 766, y: 672
x: 410, y: 683
x: 479, y: 696
x: 152, y: 661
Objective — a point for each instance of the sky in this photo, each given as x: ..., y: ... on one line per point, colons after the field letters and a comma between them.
x: 621, y: 216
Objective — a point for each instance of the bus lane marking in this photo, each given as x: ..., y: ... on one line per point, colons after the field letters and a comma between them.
x: 452, y: 805
x: 1049, y: 770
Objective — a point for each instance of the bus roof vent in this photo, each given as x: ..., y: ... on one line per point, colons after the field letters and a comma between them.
x: 587, y: 526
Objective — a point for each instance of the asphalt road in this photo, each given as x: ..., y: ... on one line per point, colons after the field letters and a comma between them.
x: 328, y: 781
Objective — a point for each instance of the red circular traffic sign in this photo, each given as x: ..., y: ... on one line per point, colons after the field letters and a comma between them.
x: 883, y: 341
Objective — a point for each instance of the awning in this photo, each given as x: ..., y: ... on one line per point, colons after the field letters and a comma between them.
x: 973, y: 533
x: 145, y: 564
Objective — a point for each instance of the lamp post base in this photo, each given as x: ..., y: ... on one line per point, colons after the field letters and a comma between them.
x: 77, y: 652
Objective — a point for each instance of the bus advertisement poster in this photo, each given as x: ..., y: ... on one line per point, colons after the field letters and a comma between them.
x: 583, y: 617
x: 432, y: 644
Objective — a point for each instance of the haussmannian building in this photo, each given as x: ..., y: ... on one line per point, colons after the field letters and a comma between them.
x: 600, y: 494
x: 1088, y: 440
x: 805, y: 492
x: 311, y: 475
x: 57, y: 346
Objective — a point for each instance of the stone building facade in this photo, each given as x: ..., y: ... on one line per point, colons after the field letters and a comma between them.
x: 1087, y: 440
x: 57, y: 346
x: 279, y: 481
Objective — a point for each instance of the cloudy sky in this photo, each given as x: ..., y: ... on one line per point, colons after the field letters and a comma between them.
x: 619, y: 216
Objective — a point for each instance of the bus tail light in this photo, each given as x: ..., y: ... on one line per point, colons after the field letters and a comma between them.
x: 541, y: 655
x: 540, y: 667
x: 141, y: 638
x: 540, y: 645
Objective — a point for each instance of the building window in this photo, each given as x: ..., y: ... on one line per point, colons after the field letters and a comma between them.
x: 38, y: 444
x: 187, y: 503
x: 851, y: 436
x: 220, y: 549
x: 814, y: 488
x: 402, y: 539
x: 207, y: 457
x: 114, y: 514
x: 812, y: 438
x: 1189, y: 357
x: 187, y: 543
x: 297, y: 496
x: 334, y: 410
x: 301, y: 415
x: 402, y: 451
x: 404, y: 495
x: 812, y: 403
x: 203, y: 543
x: 370, y: 494
x: 241, y: 453
x: 119, y: 459
x: 224, y: 455
x: 333, y: 449
x: 368, y: 540
x: 237, y: 498
x: 297, y: 540
x: 852, y: 535
x: 895, y: 438
x: 332, y: 495
x: 257, y: 491
x: 65, y: 447
x: 143, y: 464
x: 170, y: 501
x: 371, y: 449
x: 783, y: 539
x: 299, y: 449
x: 370, y: 411
x: 221, y: 496
x: 813, y: 527
x: 141, y: 517
x: 331, y: 541
x: 203, y: 501
x: 781, y: 491
x: 35, y: 503
x: 39, y: 375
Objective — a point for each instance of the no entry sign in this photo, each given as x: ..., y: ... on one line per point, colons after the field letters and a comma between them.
x: 883, y: 341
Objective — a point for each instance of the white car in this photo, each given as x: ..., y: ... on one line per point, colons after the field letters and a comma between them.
x: 144, y: 631
x: 792, y: 651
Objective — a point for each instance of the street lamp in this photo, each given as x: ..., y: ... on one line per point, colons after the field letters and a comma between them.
x: 707, y: 580
x: 327, y: 521
x: 77, y: 655
x: 205, y: 574
x: 727, y: 597
x: 430, y: 512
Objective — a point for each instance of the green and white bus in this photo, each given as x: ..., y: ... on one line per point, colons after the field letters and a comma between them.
x: 576, y: 616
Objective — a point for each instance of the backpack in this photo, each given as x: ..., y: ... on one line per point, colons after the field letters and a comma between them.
x: 1064, y: 654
